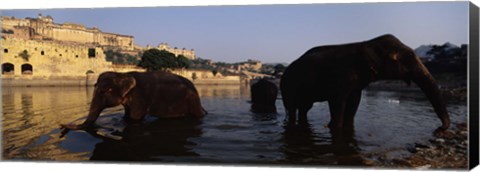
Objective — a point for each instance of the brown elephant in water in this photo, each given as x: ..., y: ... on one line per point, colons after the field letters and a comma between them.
x: 264, y: 95
x: 338, y: 73
x: 159, y: 94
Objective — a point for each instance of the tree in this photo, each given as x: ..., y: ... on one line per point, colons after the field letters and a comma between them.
x: 183, y: 62
x: 154, y: 60
x: 279, y: 68
x: 119, y: 60
x: 438, y: 51
x: 109, y: 55
x: 131, y: 59
x: 117, y: 57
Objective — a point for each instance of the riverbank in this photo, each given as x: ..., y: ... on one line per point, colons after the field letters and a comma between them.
x: 448, y: 151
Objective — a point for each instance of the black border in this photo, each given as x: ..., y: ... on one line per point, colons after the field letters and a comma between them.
x: 473, y: 86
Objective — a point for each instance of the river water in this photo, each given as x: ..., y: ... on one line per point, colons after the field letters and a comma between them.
x: 386, y: 123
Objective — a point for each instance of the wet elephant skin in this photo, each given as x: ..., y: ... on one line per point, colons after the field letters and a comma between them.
x: 338, y: 74
x: 160, y: 94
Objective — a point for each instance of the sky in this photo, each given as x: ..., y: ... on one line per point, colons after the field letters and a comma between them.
x: 271, y: 33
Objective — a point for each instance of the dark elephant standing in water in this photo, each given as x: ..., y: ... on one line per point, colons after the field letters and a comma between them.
x: 338, y: 73
x: 161, y: 94
x: 264, y: 95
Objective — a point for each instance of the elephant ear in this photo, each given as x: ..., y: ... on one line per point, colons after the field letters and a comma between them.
x: 371, y: 61
x: 126, y: 83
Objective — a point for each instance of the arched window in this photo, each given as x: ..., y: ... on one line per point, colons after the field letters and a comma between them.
x: 27, y: 69
x: 8, y: 69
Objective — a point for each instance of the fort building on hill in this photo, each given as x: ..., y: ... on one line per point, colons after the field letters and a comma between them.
x: 39, y: 49
x: 43, y: 28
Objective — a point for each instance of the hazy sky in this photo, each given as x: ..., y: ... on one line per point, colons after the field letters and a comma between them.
x: 272, y: 33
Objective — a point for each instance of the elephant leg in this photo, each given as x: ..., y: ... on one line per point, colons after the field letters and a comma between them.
x: 337, y: 111
x: 128, y: 112
x: 136, y: 111
x: 292, y: 116
x: 290, y: 109
x: 351, y: 108
x: 302, y: 112
x: 138, y: 114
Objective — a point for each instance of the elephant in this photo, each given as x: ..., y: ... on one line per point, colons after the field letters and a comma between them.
x: 264, y: 95
x: 159, y: 93
x: 338, y: 74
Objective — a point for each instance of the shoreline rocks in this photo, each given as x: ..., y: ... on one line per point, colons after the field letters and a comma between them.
x: 449, y: 151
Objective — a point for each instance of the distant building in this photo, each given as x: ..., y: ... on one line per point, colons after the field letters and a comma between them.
x: 250, y: 65
x: 190, y: 54
x: 43, y: 28
x: 38, y: 48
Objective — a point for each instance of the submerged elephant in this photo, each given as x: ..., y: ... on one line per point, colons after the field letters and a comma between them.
x: 264, y: 95
x: 338, y: 73
x: 159, y: 94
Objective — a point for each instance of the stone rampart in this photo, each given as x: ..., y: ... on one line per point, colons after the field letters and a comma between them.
x: 29, y: 59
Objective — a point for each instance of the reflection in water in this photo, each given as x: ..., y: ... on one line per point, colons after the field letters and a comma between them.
x: 303, y: 146
x: 230, y: 133
x: 30, y: 113
x: 160, y: 140
x: 223, y: 91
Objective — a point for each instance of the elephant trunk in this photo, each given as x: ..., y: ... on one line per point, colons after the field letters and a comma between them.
x: 95, y: 109
x: 93, y: 114
x: 425, y: 81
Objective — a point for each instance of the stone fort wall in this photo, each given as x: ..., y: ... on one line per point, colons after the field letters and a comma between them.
x: 49, y: 59
x: 44, y: 28
x: 54, y: 63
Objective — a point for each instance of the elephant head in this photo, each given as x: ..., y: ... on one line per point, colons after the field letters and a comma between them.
x: 110, y: 90
x: 390, y: 59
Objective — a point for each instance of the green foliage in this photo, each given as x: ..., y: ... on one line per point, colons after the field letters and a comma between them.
x: 120, y: 61
x: 117, y: 57
x: 110, y: 55
x: 131, y: 59
x: 279, y: 68
x: 24, y: 54
x: 443, y: 52
x: 183, y: 62
x: 154, y: 59
x: 448, y: 61
x: 200, y: 63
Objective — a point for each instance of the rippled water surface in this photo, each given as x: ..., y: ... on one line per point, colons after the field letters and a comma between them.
x: 386, y: 123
